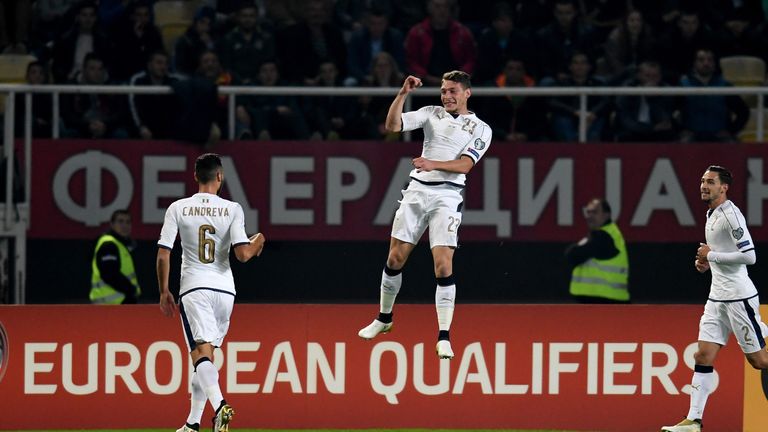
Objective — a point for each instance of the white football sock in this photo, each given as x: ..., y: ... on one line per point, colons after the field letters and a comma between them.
x: 390, y: 286
x: 701, y: 387
x: 209, y: 381
x: 445, y: 301
x: 198, y: 400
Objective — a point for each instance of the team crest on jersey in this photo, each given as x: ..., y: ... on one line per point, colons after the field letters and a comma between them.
x: 479, y: 144
x: 738, y: 233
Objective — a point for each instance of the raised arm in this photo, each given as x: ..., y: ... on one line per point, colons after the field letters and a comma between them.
x: 394, y: 122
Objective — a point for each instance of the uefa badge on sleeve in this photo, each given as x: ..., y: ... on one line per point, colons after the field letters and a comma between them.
x: 738, y: 233
x: 479, y: 144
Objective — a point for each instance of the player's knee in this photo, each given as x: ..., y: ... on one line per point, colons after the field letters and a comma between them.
x: 443, y: 268
x: 702, y: 358
x: 396, y: 260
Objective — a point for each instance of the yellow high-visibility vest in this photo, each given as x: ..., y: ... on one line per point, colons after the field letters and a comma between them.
x: 101, y: 292
x: 604, y: 278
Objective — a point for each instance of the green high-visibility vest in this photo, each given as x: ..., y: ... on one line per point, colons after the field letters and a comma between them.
x: 103, y: 293
x: 606, y: 278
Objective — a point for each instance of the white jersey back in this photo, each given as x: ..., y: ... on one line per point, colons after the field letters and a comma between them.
x: 447, y: 138
x: 208, y: 225
x: 726, y: 231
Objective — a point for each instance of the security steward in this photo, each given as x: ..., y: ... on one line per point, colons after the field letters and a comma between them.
x: 113, y: 279
x: 600, y: 261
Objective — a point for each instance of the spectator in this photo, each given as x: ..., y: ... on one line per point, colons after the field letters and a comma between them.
x: 210, y: 68
x: 90, y: 115
x: 51, y: 18
x: 373, y: 37
x: 153, y: 115
x: 196, y: 40
x: 348, y: 15
x: 328, y: 116
x: 603, y: 15
x: 115, y: 12
x: 407, y: 13
x: 739, y: 38
x: 645, y: 118
x: 15, y: 18
x: 630, y: 43
x: 135, y: 39
x: 711, y: 117
x: 677, y: 49
x: 556, y: 42
x: 276, y: 116
x: 307, y: 44
x: 371, y: 111
x: 439, y: 43
x: 565, y: 109
x: 85, y: 37
x: 247, y: 46
x: 659, y: 15
x: 722, y: 10
x: 37, y: 74
x: 516, y: 118
x: 499, y: 43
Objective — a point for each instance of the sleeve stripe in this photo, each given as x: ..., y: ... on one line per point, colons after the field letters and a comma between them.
x: 747, y: 250
x: 164, y: 246
x: 240, y: 244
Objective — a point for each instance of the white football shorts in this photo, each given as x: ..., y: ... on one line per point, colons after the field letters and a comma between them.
x: 438, y: 207
x: 742, y: 318
x: 205, y: 316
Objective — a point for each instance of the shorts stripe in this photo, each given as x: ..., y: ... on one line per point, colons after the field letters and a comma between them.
x: 187, y: 330
x: 209, y: 289
x: 755, y: 324
x: 734, y: 301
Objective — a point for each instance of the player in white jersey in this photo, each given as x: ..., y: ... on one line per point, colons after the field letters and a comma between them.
x: 733, y: 305
x: 454, y: 141
x: 208, y: 226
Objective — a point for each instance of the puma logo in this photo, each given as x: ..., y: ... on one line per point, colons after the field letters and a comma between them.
x: 696, y: 387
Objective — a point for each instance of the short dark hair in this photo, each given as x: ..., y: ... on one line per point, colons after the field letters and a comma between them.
x: 460, y: 77
x: 206, y: 167
x: 117, y: 213
x: 604, y: 206
x: 722, y: 172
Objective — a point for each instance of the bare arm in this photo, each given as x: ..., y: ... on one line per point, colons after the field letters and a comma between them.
x: 394, y: 122
x: 167, y: 303
x: 244, y: 252
x: 462, y: 165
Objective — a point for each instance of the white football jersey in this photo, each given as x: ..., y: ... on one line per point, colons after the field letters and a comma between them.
x: 447, y: 138
x: 726, y: 231
x: 208, y: 225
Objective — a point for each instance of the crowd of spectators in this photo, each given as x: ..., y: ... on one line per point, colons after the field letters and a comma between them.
x: 335, y: 43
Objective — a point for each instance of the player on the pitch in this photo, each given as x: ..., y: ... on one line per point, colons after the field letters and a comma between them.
x: 454, y: 141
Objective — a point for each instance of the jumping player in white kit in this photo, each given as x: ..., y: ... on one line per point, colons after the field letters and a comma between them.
x: 733, y: 305
x: 454, y: 141
x: 208, y: 226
